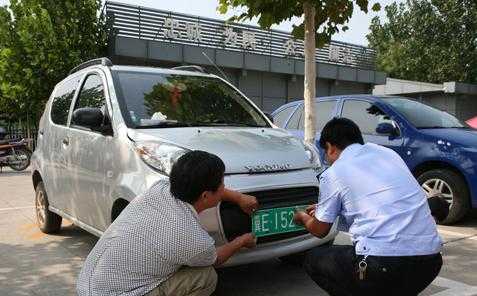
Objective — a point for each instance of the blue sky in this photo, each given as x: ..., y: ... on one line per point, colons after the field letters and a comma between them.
x: 358, y: 25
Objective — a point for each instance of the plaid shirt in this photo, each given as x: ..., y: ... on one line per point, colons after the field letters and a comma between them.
x: 153, y: 237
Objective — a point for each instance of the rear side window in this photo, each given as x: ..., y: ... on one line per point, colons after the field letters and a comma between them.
x: 281, y: 117
x: 323, y: 112
x: 62, y: 101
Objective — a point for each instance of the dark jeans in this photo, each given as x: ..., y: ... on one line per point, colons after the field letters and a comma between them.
x: 335, y: 269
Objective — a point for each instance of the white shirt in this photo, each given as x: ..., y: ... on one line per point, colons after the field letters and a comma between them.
x: 381, y: 202
x: 153, y: 237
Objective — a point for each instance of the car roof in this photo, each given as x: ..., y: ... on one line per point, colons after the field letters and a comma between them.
x: 372, y: 98
x: 144, y: 69
x: 139, y: 69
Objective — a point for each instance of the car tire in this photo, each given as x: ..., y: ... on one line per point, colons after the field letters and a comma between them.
x: 48, y: 222
x: 297, y: 259
x: 26, y: 163
x: 453, y: 189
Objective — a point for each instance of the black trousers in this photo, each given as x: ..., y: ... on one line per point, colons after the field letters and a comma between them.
x: 335, y: 270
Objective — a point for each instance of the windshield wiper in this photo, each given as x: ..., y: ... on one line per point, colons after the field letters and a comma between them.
x: 225, y: 123
x: 430, y: 127
x: 165, y: 123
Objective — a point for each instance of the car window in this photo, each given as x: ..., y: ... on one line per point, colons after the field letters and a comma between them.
x: 153, y: 100
x: 91, y: 94
x: 323, y: 111
x: 295, y: 119
x: 281, y: 117
x: 366, y: 115
x: 423, y: 116
x: 62, y: 101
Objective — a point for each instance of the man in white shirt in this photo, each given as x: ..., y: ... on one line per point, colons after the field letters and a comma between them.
x: 157, y: 247
x: 396, y: 247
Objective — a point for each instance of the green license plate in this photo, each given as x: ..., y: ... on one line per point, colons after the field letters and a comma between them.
x: 274, y: 221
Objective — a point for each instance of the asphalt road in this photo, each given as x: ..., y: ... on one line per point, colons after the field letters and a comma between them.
x: 32, y: 263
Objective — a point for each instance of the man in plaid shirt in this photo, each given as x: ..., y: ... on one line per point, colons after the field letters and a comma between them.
x: 157, y: 245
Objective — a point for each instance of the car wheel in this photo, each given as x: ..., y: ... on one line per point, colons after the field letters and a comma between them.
x: 48, y: 222
x: 22, y: 155
x: 451, y: 187
x: 297, y: 259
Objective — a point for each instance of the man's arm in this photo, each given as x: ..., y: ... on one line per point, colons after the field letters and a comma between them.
x: 247, y: 203
x: 228, y: 250
x: 313, y: 225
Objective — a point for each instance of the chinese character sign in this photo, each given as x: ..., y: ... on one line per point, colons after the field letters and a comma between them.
x: 340, y: 54
x: 193, y: 32
x: 249, y: 41
x: 290, y: 47
x: 230, y: 36
x: 172, y: 28
x: 242, y: 37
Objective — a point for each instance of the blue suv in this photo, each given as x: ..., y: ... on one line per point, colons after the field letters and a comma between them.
x: 440, y: 150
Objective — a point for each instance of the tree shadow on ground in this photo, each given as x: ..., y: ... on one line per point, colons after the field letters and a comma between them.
x: 45, y: 266
x: 8, y: 172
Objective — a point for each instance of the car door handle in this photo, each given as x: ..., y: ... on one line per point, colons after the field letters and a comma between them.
x: 66, y: 141
x: 40, y: 132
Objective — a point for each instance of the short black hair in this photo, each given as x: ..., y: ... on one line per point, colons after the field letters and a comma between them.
x: 340, y: 132
x: 195, y: 172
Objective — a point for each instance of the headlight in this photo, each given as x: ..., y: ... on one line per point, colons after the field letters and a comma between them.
x: 159, y: 155
x: 313, y: 156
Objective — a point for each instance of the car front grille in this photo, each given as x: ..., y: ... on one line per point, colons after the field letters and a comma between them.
x: 235, y: 222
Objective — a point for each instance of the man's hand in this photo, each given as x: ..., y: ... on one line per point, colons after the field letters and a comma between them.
x: 248, y: 240
x: 314, y: 226
x: 300, y: 217
x: 310, y: 210
x: 226, y: 251
x: 248, y: 203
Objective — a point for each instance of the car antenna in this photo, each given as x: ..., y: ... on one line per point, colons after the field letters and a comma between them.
x: 217, y: 67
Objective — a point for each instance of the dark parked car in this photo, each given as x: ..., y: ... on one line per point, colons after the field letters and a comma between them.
x: 439, y: 149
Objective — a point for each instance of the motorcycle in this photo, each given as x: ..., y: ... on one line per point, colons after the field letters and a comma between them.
x: 14, y: 153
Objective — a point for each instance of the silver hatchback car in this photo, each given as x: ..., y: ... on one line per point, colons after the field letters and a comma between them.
x: 109, y: 132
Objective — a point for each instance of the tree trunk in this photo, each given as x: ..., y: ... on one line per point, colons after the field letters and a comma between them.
x: 310, y: 72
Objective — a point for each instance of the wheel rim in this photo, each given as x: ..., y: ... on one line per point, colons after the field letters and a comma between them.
x: 22, y: 157
x: 438, y: 187
x: 40, y: 205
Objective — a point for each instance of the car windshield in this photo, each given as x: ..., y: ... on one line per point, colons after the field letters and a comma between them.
x: 153, y: 100
x: 424, y: 116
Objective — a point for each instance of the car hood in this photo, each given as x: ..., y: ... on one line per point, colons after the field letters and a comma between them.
x: 266, y: 149
x: 461, y: 136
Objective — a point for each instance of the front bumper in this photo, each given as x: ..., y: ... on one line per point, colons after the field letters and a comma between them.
x: 280, y: 248
x: 212, y: 222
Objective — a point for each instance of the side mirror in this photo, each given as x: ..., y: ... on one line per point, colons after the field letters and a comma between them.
x: 88, y: 117
x: 386, y: 128
x: 269, y: 116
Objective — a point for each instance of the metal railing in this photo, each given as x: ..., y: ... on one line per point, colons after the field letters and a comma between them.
x: 165, y: 26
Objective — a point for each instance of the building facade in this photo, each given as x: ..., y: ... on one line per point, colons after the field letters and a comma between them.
x: 267, y: 65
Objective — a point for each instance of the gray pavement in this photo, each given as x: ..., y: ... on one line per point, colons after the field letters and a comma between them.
x: 32, y: 263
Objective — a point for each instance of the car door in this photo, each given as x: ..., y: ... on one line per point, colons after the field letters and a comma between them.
x: 367, y: 116
x: 55, y: 151
x: 91, y: 157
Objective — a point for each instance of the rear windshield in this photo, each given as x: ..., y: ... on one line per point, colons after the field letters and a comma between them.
x: 152, y: 100
x: 424, y: 116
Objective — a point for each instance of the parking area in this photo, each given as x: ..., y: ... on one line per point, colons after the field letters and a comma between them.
x: 32, y: 263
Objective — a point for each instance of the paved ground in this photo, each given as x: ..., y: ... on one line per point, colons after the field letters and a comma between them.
x: 32, y: 263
